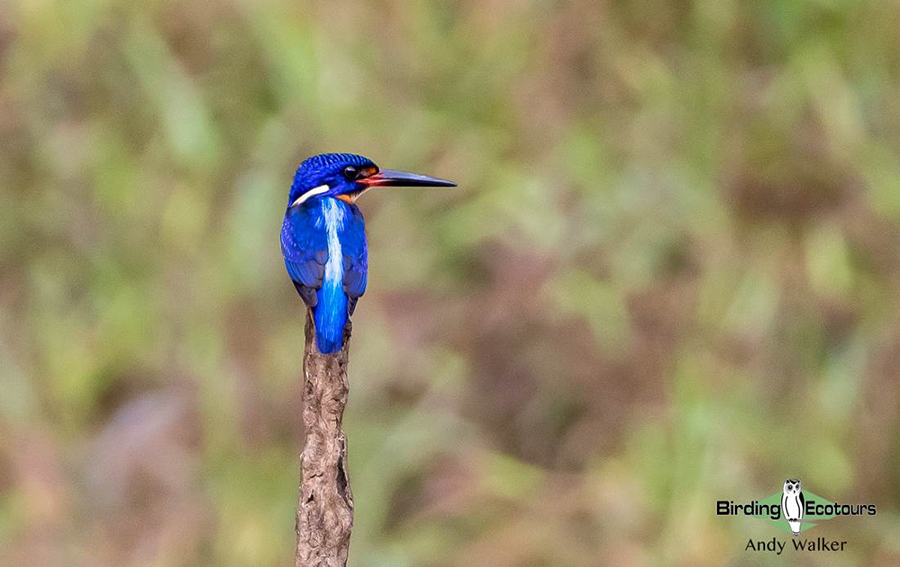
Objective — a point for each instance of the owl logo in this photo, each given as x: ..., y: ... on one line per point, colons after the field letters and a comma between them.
x: 792, y: 504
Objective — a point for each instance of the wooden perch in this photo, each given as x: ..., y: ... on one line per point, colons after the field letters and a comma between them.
x: 325, y: 510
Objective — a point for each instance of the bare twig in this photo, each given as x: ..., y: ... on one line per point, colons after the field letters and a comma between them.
x: 325, y: 510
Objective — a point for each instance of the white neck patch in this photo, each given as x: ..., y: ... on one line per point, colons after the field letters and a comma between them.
x: 311, y: 193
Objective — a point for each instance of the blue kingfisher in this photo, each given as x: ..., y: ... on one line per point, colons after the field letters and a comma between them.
x: 323, y: 237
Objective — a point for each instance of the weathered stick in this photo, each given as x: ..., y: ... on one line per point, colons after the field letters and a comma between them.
x: 325, y: 510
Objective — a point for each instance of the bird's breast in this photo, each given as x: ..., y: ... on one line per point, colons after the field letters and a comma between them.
x: 333, y: 221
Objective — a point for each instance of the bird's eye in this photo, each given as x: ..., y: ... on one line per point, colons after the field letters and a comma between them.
x: 350, y: 172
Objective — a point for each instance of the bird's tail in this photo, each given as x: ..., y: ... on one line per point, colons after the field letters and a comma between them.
x: 330, y: 315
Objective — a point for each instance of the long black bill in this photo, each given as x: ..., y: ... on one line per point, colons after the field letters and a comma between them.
x: 392, y: 178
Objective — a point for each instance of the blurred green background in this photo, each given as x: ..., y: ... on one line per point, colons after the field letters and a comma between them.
x: 670, y: 274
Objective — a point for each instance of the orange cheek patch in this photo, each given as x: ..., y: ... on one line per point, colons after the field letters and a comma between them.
x: 345, y: 198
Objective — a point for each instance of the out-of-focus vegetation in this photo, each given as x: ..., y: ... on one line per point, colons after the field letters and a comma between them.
x: 670, y: 274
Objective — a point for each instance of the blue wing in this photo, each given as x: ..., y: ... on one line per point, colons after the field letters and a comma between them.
x: 305, y: 249
x: 304, y: 244
x: 356, y: 261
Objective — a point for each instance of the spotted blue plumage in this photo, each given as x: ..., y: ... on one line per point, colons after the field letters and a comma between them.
x: 324, y: 246
x: 323, y: 236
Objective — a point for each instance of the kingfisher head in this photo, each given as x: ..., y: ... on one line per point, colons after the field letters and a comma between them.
x: 347, y: 176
